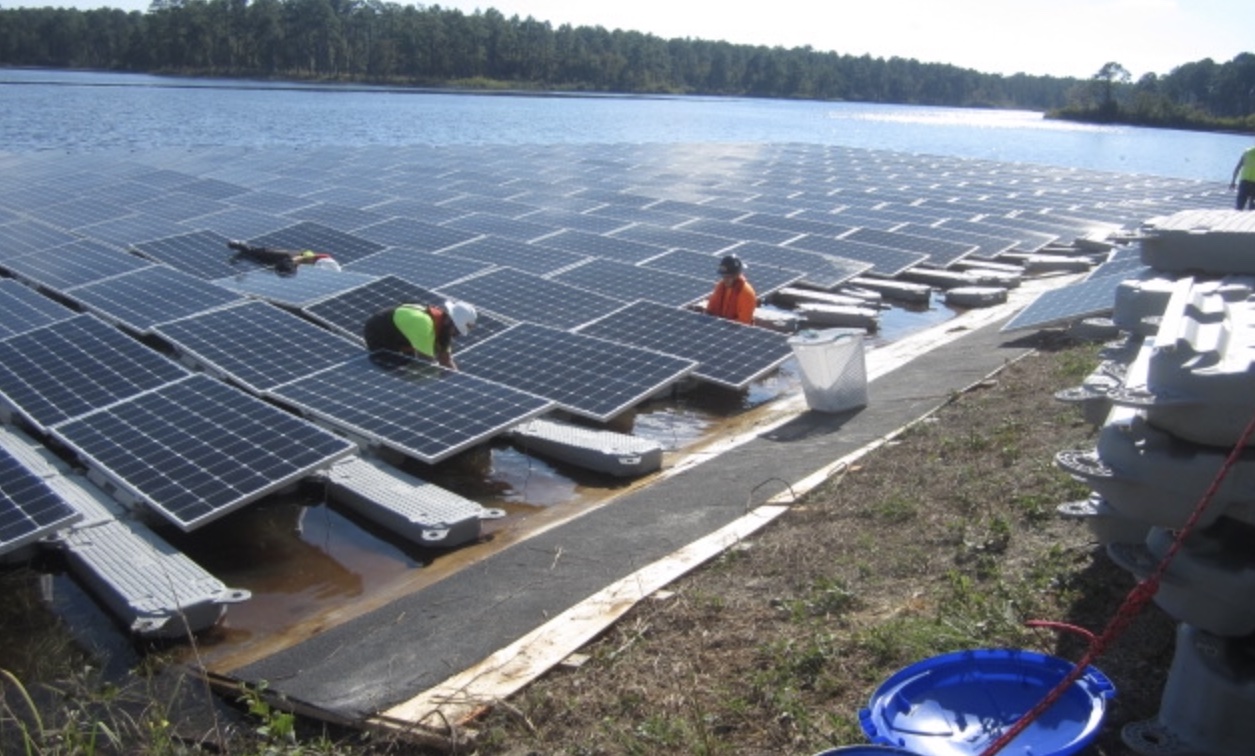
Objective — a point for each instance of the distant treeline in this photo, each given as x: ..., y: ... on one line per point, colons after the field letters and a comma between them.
x: 386, y: 43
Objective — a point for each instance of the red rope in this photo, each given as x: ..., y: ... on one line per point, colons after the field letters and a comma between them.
x: 1138, y: 597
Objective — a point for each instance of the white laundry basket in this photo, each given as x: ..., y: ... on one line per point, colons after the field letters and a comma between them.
x: 833, y: 368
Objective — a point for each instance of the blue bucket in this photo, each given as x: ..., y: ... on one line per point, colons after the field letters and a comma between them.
x: 958, y: 704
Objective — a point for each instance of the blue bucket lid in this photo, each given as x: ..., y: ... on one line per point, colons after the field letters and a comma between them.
x: 958, y: 704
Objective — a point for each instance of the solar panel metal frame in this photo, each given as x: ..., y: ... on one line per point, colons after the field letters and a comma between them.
x: 728, y: 354
x: 1089, y: 298
x: 71, y: 367
x: 582, y: 374
x: 256, y: 345
x: 412, y: 407
x: 198, y: 449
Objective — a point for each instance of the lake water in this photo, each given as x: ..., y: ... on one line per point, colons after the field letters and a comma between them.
x: 82, y: 111
x: 73, y: 112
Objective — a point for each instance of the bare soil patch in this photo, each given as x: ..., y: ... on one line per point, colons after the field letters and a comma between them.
x: 945, y: 539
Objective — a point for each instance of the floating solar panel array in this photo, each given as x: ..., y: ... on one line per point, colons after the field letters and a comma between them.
x: 29, y: 508
x: 149, y: 296
x: 1089, y: 298
x: 630, y: 282
x: 431, y: 271
x: 74, y: 264
x: 301, y: 287
x: 202, y: 253
x: 586, y: 376
x: 23, y: 309
x: 526, y: 298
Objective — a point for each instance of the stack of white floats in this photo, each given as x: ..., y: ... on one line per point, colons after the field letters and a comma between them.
x: 1178, y: 395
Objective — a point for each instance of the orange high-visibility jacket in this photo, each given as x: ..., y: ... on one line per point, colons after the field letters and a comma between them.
x: 735, y: 301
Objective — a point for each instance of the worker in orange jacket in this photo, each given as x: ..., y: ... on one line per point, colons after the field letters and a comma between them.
x: 733, y: 297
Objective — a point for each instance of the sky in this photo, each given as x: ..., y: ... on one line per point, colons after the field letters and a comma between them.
x: 1042, y: 37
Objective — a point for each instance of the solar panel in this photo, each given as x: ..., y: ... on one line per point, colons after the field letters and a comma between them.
x: 1086, y: 299
x: 81, y: 211
x: 413, y: 407
x: 178, y: 206
x: 300, y: 288
x: 595, y: 245
x: 29, y: 508
x: 426, y: 269
x: 632, y: 282
x: 670, y: 238
x: 257, y: 345
x: 132, y: 229
x: 496, y: 225
x: 73, y: 264
x: 885, y: 261
x: 494, y: 250
x: 345, y: 248
x: 584, y: 375
x: 820, y: 271
x: 523, y: 297
x: 940, y: 252
x: 414, y: 234
x: 240, y: 223
x: 986, y: 245
x: 765, y: 279
x: 347, y: 313
x: 276, y: 203
x: 212, y: 188
x: 575, y: 221
x: 740, y: 231
x: 796, y: 226
x: 23, y: 309
x: 73, y: 366
x: 197, y: 449
x: 157, y: 294
x: 1126, y: 263
x: 336, y: 216
x: 727, y: 353
x: 201, y: 253
x: 26, y: 236
x: 1025, y: 240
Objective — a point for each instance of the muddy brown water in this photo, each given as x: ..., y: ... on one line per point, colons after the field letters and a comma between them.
x: 308, y: 562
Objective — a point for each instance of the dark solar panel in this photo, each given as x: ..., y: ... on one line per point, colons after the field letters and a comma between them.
x: 885, y: 261
x: 631, y: 282
x: 414, y: 234
x: 202, y: 253
x: 494, y: 250
x: 426, y: 269
x: 740, y: 231
x: 940, y: 252
x: 523, y: 297
x: 178, y: 206
x: 73, y: 264
x: 29, y: 508
x: 416, y: 408
x: 73, y: 366
x: 133, y: 229
x: 157, y: 294
x: 347, y: 313
x: 1125, y: 263
x: 986, y: 245
x: 275, y: 203
x: 240, y: 223
x: 257, y: 345
x: 340, y: 217
x: 197, y: 449
x: 763, y: 277
x: 23, y: 309
x: 574, y: 221
x: 585, y: 375
x: 1086, y: 299
x: 670, y: 238
x: 23, y: 237
x: 727, y: 353
x: 345, y: 248
x: 300, y: 288
x: 1025, y: 240
x: 797, y: 226
x: 81, y: 211
x: 596, y: 245
x: 496, y: 225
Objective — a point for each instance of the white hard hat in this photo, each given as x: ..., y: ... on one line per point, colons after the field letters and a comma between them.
x: 462, y: 314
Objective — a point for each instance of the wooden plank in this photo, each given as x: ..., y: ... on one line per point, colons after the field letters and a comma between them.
x: 508, y: 670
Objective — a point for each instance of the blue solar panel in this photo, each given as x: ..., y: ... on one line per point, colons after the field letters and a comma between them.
x: 344, y: 247
x: 152, y: 295
x: 257, y: 345
x: 428, y: 270
x: 300, y: 288
x: 729, y: 354
x: 670, y: 238
x: 632, y: 282
x: 197, y: 449
x: 596, y: 245
x: 413, y: 234
x: 1060, y: 306
x: 73, y: 264
x: 29, y: 508
x: 23, y: 309
x: 26, y: 236
x: 204, y: 254
x: 132, y: 229
x: 412, y: 407
x: 493, y: 250
x: 523, y: 297
x: 496, y: 225
x: 940, y: 252
x: 73, y: 366
x: 886, y: 261
x: 585, y: 375
x: 763, y: 277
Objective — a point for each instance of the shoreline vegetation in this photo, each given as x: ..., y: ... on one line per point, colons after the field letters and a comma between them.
x: 442, y: 49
